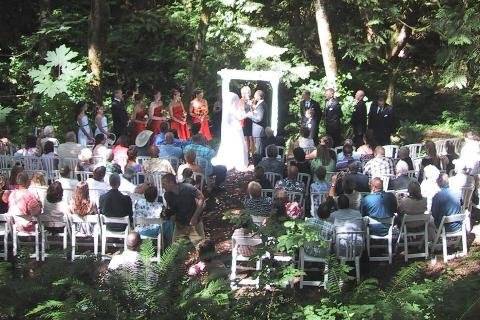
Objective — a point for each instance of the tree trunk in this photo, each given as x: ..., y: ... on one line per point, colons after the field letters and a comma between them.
x: 326, y: 42
x: 45, y: 10
x: 99, y: 14
x: 198, y: 49
x: 401, y: 40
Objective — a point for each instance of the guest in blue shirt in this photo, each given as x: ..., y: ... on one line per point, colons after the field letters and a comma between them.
x: 167, y: 149
x: 445, y: 203
x: 379, y: 206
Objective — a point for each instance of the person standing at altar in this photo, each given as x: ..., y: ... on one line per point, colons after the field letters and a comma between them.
x: 178, y: 116
x: 310, y: 115
x: 333, y: 116
x: 101, y: 122
x: 381, y: 119
x: 119, y: 114
x: 139, y: 116
x: 84, y: 132
x: 359, y: 118
x: 256, y: 115
x: 199, y: 113
x: 156, y: 112
x: 247, y: 122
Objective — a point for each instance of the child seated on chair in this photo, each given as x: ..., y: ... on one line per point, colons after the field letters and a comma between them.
x: 210, y: 266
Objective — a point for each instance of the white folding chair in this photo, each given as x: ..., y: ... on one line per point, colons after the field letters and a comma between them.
x: 386, y: 180
x: 16, y: 235
x: 83, y: 175
x: 412, y: 174
x: 106, y: 233
x: 155, y: 178
x: 303, y: 257
x: 440, y: 146
x: 296, y: 196
x: 141, y: 159
x: 446, y: 235
x: 388, y: 238
x: 138, y: 178
x: 32, y: 163
x: 71, y: 163
x: 405, y: 234
x: 175, y: 162
x: 305, y: 178
x: 415, y: 150
x: 78, y: 226
x: 141, y: 222
x: 349, y: 247
x: 6, y: 162
x: 268, y: 193
x: 467, y: 193
x: 4, y: 232
x: 258, y: 220
x: 316, y: 198
x: 273, y: 177
x: 5, y: 173
x: 391, y: 151
x: 46, y: 221
x: 199, y: 178
x: 49, y: 165
x: 237, y: 257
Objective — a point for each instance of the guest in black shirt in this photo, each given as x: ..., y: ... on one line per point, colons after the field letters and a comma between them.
x: 259, y: 176
x: 300, y: 162
x: 114, y: 204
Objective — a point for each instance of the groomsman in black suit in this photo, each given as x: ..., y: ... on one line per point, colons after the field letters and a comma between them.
x: 310, y: 115
x: 359, y: 118
x: 119, y: 114
x: 333, y: 116
x: 381, y: 119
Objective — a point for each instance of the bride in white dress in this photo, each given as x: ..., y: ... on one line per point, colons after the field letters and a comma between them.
x: 232, y: 152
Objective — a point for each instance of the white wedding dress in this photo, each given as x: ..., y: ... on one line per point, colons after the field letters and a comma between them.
x: 232, y: 152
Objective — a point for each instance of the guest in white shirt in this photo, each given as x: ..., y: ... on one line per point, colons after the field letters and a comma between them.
x: 461, y: 179
x: 100, y: 149
x: 69, y: 149
x: 130, y: 257
x: 304, y: 141
x: 97, y: 185
x: 344, y: 214
x: 68, y: 184
x: 429, y: 184
x: 55, y: 207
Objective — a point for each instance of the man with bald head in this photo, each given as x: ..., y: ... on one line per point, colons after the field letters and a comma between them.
x: 359, y: 118
x: 333, y: 116
x: 168, y: 149
x: 290, y: 183
x: 380, y: 165
x: 130, y: 256
x: 155, y: 164
x: 379, y: 206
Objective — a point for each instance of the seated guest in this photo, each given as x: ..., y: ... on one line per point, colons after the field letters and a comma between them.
x: 348, y: 190
x: 445, y: 203
x: 271, y: 163
x: 207, y: 153
x: 414, y: 204
x: 190, y: 157
x: 323, y: 158
x: 120, y: 150
x: 48, y: 150
x: 22, y: 202
x: 367, y: 150
x: 461, y: 179
x: 259, y: 176
x: 125, y: 184
x: 96, y: 183
x: 440, y: 162
x: 403, y: 153
x: 402, y: 180
x: 186, y: 203
x: 114, y: 204
x: 379, y: 206
x: 327, y: 143
x: 12, y: 180
x: 130, y: 257
x: 68, y: 184
x: 320, y: 184
x: 269, y: 139
x: 149, y: 207
x: 345, y: 215
x: 470, y: 153
x: 345, y: 157
x: 255, y: 205
x: 100, y: 149
x: 55, y: 207
x: 362, y: 182
x: 380, y: 165
x: 290, y: 183
x: 49, y: 135
x: 300, y: 162
x: 451, y: 155
x: 352, y: 154
x: 325, y: 231
x: 167, y: 149
x: 38, y: 186
x: 132, y: 160
x: 160, y: 137
x: 30, y: 148
x: 85, y: 162
x: 142, y: 142
x: 209, y: 266
x: 429, y: 184
x: 154, y: 164
x: 69, y: 149
x: 81, y: 206
x: 304, y: 141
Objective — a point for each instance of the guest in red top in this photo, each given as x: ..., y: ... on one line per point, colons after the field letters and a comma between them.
x: 119, y: 152
x: 178, y: 115
x: 139, y: 116
x: 155, y: 112
x: 199, y: 113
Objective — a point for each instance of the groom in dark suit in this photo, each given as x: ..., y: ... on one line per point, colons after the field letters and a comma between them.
x: 119, y: 114
x: 256, y: 115
x: 310, y: 115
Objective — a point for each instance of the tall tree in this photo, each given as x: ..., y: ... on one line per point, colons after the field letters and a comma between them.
x: 326, y: 42
x: 98, y: 31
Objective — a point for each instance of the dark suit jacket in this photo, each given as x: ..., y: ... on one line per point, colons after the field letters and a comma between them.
x: 332, y: 114
x: 119, y: 117
x: 399, y: 183
x: 382, y: 123
x: 258, y: 123
x: 317, y: 115
x: 359, y: 119
x: 114, y: 204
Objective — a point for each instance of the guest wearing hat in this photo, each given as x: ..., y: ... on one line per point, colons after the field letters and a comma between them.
x: 142, y: 142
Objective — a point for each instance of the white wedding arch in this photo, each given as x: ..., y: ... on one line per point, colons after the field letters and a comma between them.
x: 270, y: 76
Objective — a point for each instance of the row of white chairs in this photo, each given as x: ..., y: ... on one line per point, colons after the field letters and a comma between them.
x: 73, y: 227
